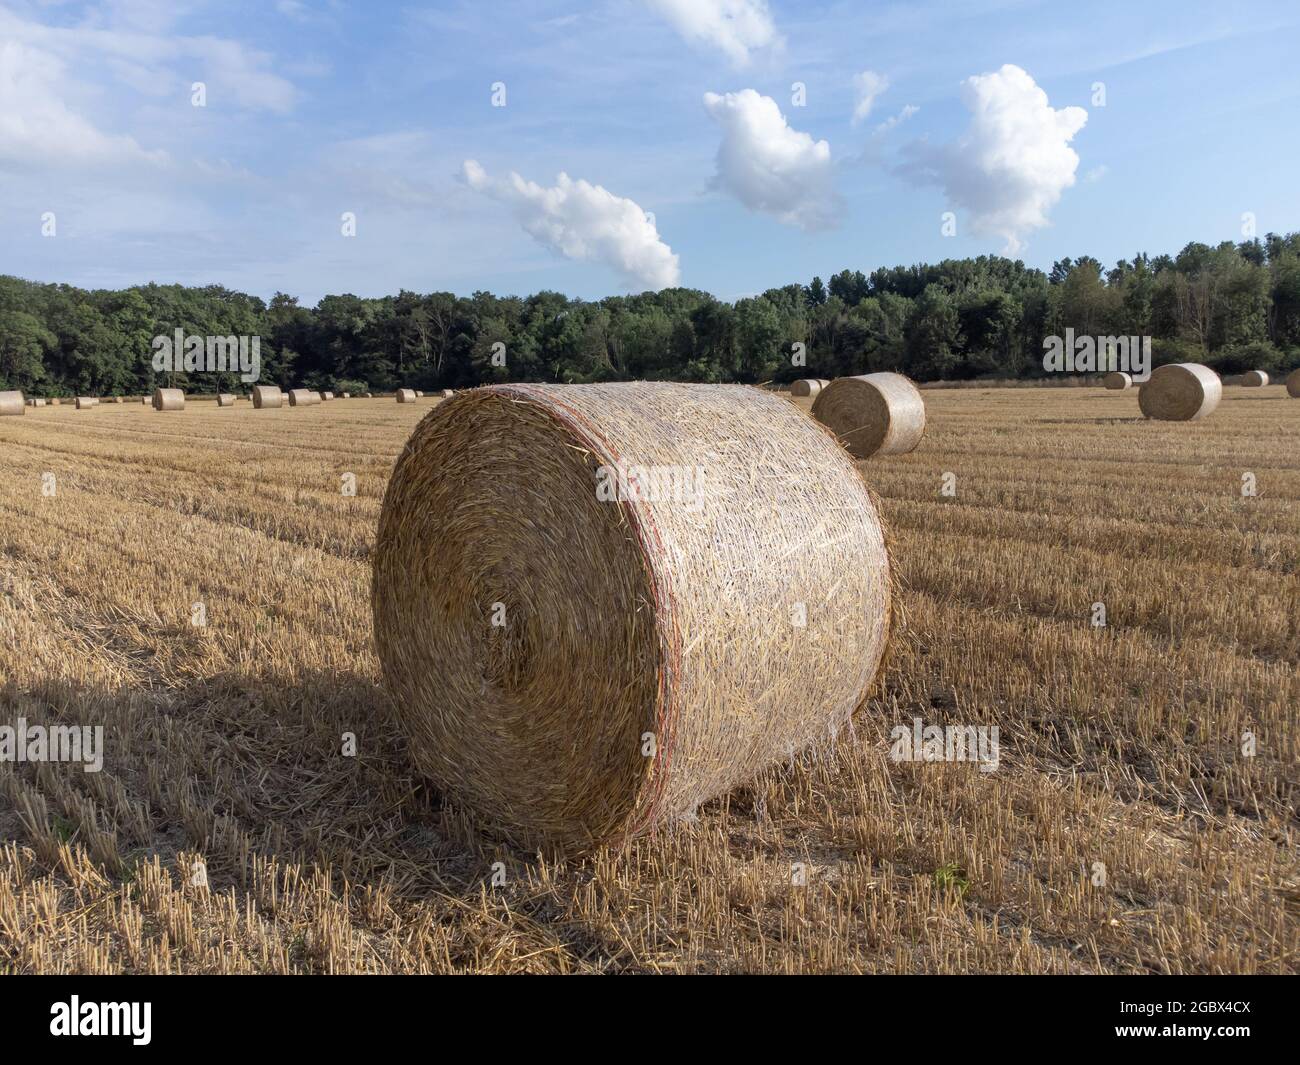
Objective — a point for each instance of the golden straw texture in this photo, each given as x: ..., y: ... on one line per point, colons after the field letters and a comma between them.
x: 267, y: 397
x: 1180, y: 392
x: 877, y: 414
x: 1117, y: 381
x: 225, y: 399
x: 808, y: 386
x: 86, y: 401
x: 405, y: 395
x: 11, y: 403
x: 575, y: 668
x: 302, y: 397
x: 168, y: 399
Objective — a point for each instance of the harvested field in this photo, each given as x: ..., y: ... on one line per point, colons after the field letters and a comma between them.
x: 232, y: 829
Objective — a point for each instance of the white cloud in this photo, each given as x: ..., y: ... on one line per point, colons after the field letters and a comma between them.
x: 895, y: 120
x: 1013, y: 162
x: 735, y: 27
x: 586, y: 222
x: 868, y: 86
x: 37, y: 126
x: 770, y: 167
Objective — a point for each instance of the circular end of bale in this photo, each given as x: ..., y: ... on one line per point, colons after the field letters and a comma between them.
x: 1180, y: 392
x: 1293, y: 384
x: 595, y: 612
x: 1117, y: 381
x: 406, y: 395
x: 1254, y: 379
x: 876, y: 414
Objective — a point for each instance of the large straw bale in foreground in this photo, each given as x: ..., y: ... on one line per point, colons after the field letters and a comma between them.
x: 168, y: 399
x: 1293, y: 384
x: 1180, y: 392
x: 876, y: 414
x: 11, y: 403
x: 302, y: 397
x: 267, y: 397
x: 808, y: 386
x: 1117, y: 381
x: 731, y: 619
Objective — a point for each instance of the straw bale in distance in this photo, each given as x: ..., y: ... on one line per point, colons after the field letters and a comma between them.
x: 808, y: 386
x: 419, y: 394
x: 225, y: 399
x: 168, y: 399
x: 1254, y: 379
x: 876, y: 414
x: 325, y: 396
x: 663, y: 611
x: 84, y: 402
x: 405, y: 395
x: 1180, y: 392
x: 446, y: 393
x: 1117, y: 381
x: 1293, y: 384
x: 11, y: 403
x: 345, y: 395
x: 267, y: 397
x: 36, y: 401
x: 303, y: 397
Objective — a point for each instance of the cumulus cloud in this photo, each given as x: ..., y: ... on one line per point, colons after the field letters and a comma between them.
x: 1013, y: 162
x: 736, y: 27
x: 770, y: 167
x: 868, y: 86
x: 586, y: 222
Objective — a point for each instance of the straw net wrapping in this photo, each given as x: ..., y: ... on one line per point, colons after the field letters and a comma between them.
x: 662, y: 616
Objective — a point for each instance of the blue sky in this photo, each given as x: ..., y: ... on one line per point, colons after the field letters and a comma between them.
x: 314, y: 109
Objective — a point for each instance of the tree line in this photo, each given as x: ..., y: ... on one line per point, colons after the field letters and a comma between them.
x: 1232, y: 306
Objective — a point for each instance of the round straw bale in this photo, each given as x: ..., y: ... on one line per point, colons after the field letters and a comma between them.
x: 369, y: 395
x: 596, y: 612
x: 326, y: 396
x: 808, y: 386
x: 345, y: 395
x: 446, y: 393
x: 168, y: 399
x: 1117, y: 381
x: 405, y: 395
x: 419, y: 394
x: 36, y: 401
x: 1180, y: 392
x: 225, y: 399
x: 1293, y: 384
x: 1254, y: 379
x: 302, y: 397
x: 86, y: 401
x: 267, y: 397
x: 877, y: 414
x: 11, y: 403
